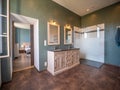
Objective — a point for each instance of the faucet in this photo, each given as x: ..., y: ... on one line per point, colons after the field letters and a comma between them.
x: 56, y: 47
x: 69, y: 47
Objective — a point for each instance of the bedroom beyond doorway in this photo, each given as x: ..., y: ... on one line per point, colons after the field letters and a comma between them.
x: 22, y: 46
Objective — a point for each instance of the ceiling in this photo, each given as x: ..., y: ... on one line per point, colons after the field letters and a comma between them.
x: 83, y: 7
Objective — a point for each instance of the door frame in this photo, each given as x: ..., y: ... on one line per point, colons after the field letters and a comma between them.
x: 32, y: 43
x: 28, y: 20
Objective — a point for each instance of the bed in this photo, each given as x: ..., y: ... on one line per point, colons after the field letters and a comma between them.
x: 26, y: 47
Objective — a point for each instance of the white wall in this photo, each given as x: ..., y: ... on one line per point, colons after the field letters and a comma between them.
x: 92, y: 47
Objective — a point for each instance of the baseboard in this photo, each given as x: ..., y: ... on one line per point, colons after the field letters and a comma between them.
x: 111, y: 65
x: 23, y: 69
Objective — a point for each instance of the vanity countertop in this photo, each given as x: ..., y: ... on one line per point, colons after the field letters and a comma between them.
x: 58, y: 50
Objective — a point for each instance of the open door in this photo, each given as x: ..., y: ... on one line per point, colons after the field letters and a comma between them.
x: 32, y: 44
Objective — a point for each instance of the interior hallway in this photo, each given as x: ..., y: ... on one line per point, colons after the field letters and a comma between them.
x: 81, y: 77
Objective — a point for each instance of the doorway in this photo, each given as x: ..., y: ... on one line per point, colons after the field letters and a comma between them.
x: 23, y: 46
x: 34, y: 24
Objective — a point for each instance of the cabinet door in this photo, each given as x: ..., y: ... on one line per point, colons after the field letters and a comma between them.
x: 60, y: 60
x: 75, y: 56
x: 57, y: 61
x: 69, y: 58
x: 63, y: 59
x: 4, y: 28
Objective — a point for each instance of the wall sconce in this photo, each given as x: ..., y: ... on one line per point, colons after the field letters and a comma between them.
x: 98, y: 32
x: 53, y: 22
x: 67, y: 26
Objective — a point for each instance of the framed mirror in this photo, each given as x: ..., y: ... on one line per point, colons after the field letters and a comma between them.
x: 53, y: 33
x: 67, y: 34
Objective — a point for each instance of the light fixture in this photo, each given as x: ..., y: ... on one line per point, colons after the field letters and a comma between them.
x: 67, y: 26
x: 53, y: 22
x: 98, y: 32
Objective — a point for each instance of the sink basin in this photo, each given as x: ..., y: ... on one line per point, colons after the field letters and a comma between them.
x: 65, y: 49
x: 58, y: 50
x: 72, y: 48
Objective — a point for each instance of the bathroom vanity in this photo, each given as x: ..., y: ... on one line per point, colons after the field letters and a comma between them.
x: 61, y: 60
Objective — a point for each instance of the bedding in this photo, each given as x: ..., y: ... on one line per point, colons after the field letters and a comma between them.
x: 26, y: 47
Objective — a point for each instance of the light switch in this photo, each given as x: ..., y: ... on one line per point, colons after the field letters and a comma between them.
x: 45, y: 43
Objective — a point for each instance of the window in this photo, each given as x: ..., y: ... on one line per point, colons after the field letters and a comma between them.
x: 4, y: 28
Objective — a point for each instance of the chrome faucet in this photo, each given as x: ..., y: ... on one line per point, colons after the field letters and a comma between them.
x: 69, y: 47
x: 55, y: 47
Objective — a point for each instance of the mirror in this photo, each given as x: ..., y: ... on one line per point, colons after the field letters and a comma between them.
x: 53, y: 33
x: 67, y: 35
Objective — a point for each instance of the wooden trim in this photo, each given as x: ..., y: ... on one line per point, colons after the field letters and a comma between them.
x: 3, y: 36
x: 32, y: 43
x: 4, y: 56
x: 1, y: 15
x: 13, y: 39
x: 23, y: 69
x: 48, y: 33
x: 8, y: 27
x: 65, y: 36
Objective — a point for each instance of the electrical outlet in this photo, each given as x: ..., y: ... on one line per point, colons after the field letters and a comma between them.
x: 45, y: 64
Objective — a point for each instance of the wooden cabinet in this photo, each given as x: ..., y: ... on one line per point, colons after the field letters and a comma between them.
x: 59, y: 61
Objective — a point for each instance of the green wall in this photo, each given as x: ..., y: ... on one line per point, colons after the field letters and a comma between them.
x: 45, y: 10
x: 6, y: 73
x: 22, y: 35
x: 111, y: 17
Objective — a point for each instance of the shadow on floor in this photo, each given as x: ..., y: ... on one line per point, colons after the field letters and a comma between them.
x: 91, y: 63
